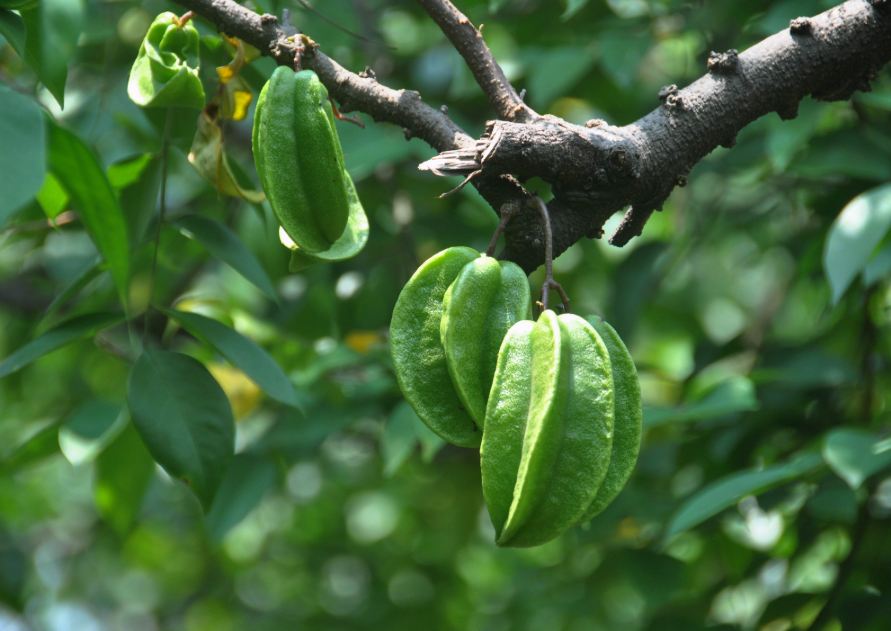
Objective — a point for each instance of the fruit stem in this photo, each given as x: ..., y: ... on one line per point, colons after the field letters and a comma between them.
x: 295, y: 35
x: 507, y: 211
x: 535, y: 202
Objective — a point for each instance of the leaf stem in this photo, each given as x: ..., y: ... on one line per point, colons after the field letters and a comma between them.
x: 165, y: 144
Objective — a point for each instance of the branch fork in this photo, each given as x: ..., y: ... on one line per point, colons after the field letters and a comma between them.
x: 597, y: 169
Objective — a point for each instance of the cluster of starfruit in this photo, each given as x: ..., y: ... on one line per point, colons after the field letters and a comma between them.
x: 554, y: 405
x: 300, y: 163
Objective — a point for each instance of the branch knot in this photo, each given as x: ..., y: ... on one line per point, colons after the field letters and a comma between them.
x: 801, y: 26
x: 673, y: 100
x: 723, y: 63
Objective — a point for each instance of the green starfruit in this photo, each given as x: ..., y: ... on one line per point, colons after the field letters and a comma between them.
x: 299, y: 159
x: 628, y: 419
x: 487, y: 298
x: 416, y: 347
x: 350, y: 243
x: 548, y: 430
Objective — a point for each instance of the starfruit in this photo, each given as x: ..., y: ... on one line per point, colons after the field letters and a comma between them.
x: 628, y: 419
x: 165, y: 72
x: 350, y: 243
x: 548, y: 431
x: 418, y: 355
x: 299, y: 159
x: 486, y: 299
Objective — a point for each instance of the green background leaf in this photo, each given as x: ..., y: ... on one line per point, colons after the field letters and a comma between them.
x: 56, y: 337
x: 246, y: 481
x: 226, y: 246
x: 12, y: 27
x: 53, y: 28
x: 75, y: 166
x: 241, y: 352
x: 124, y: 470
x: 729, y: 490
x: 855, y: 454
x: 184, y: 419
x: 854, y: 235
x: 21, y: 152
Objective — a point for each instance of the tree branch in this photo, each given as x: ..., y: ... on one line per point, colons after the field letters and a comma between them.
x: 468, y: 41
x: 354, y: 92
x: 597, y: 169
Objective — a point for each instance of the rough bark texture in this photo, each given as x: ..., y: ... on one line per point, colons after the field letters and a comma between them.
x: 597, y: 169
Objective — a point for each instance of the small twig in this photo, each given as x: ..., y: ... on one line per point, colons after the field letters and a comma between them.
x: 113, y: 349
x: 69, y: 216
x: 350, y: 119
x: 185, y: 17
x: 488, y: 74
x: 164, y: 146
x: 536, y: 203
x: 461, y: 185
x: 507, y: 211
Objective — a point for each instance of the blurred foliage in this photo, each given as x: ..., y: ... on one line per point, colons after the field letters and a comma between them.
x: 764, y: 464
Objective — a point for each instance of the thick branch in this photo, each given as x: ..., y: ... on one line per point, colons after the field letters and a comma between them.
x: 598, y: 169
x: 468, y: 41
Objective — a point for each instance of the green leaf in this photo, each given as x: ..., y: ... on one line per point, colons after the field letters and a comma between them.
x: 126, y: 172
x: 878, y: 267
x: 53, y: 28
x: 399, y: 439
x: 736, y: 395
x: 12, y: 27
x: 431, y: 444
x: 89, y: 271
x: 855, y: 454
x: 75, y: 166
x: 123, y: 472
x: 89, y: 429
x: 40, y: 445
x: 853, y: 237
x: 93, y: 418
x: 241, y: 352
x: 226, y: 246
x: 22, y: 158
x: 52, y: 197
x: 554, y: 71
x: 853, y: 153
x: 573, y: 7
x: 184, y: 419
x: 57, y: 337
x: 242, y: 489
x: 139, y: 198
x: 621, y: 54
x: 729, y: 490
